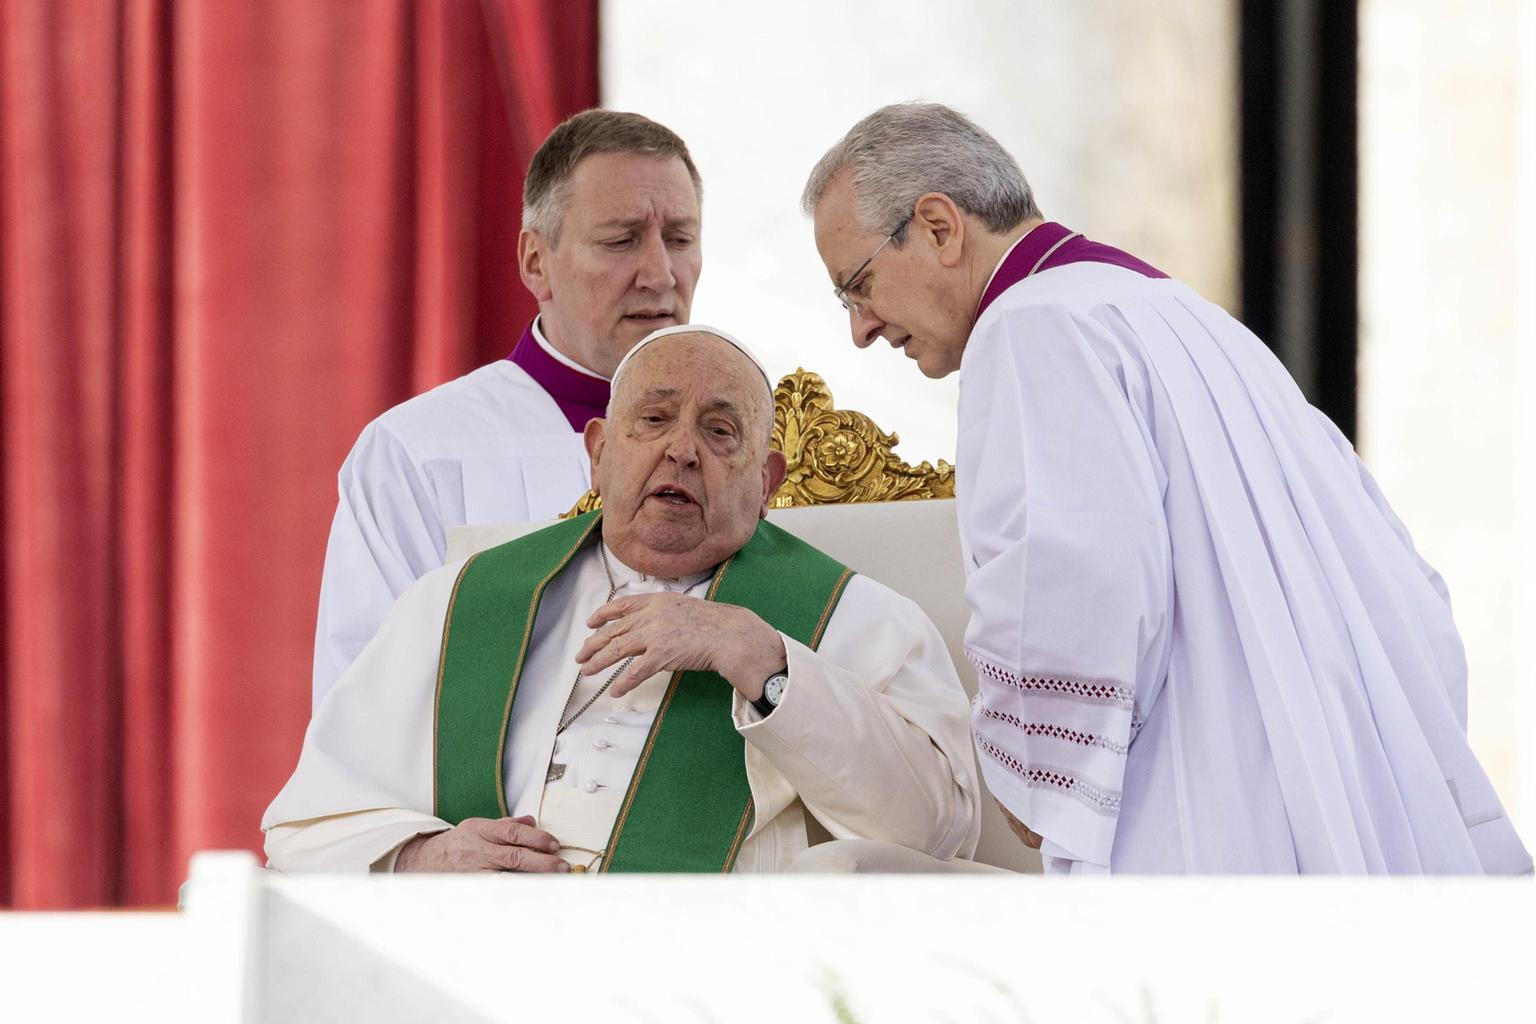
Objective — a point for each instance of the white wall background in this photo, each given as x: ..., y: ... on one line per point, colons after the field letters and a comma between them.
x: 1448, y: 217
x: 1523, y: 565
x: 1120, y: 114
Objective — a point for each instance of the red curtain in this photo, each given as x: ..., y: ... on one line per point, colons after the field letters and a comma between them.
x: 231, y: 233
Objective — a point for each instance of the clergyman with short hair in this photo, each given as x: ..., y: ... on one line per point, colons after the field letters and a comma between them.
x: 610, y: 248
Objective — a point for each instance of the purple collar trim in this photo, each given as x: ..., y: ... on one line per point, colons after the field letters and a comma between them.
x: 579, y: 396
x: 1021, y: 259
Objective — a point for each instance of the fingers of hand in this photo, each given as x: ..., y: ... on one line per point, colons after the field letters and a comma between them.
x: 519, y: 832
x: 506, y: 844
x: 615, y: 609
x: 661, y: 631
x: 612, y: 652
x: 648, y: 604
x: 635, y: 673
x: 602, y: 637
x: 520, y: 858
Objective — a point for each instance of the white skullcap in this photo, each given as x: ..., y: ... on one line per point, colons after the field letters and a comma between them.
x: 731, y: 339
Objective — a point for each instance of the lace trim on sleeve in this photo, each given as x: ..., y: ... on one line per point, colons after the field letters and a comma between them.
x: 1054, y: 731
x: 1073, y: 689
x: 1095, y: 797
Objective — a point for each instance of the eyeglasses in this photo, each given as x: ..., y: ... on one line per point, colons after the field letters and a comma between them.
x: 841, y: 292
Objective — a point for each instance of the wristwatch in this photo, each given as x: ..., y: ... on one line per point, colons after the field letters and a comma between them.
x: 773, y: 693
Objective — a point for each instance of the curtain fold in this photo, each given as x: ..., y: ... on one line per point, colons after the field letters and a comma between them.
x: 230, y: 235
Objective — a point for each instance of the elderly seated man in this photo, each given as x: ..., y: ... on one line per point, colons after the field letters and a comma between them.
x: 666, y: 685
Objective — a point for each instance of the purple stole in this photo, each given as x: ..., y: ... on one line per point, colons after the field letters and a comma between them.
x: 579, y: 396
x: 1021, y: 259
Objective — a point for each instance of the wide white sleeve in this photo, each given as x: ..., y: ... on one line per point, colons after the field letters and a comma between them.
x: 386, y: 534
x: 871, y: 734
x: 348, y: 843
x: 363, y: 784
x: 1068, y: 571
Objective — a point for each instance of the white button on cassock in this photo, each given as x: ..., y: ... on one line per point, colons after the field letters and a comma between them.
x: 601, y: 744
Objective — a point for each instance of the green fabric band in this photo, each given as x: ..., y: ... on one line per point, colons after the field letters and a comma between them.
x: 485, y: 642
x: 688, y: 807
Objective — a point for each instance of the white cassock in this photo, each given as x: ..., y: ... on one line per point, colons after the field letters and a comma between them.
x: 1205, y: 642
x: 489, y: 447
x: 871, y: 736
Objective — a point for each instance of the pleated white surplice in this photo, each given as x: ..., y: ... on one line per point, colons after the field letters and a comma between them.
x: 1205, y: 642
x: 489, y: 447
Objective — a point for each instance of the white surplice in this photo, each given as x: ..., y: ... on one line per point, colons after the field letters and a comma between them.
x: 1205, y: 642
x: 489, y: 447
x: 871, y: 737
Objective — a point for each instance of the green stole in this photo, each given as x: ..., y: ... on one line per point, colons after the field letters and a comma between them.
x: 688, y: 807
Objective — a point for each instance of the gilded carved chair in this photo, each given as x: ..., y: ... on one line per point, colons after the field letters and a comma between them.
x: 848, y: 493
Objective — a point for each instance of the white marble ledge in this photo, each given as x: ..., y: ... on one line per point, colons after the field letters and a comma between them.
x: 256, y: 946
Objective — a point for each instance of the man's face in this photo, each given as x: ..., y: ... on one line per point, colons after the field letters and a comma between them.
x: 904, y: 295
x: 626, y: 260
x: 683, y: 463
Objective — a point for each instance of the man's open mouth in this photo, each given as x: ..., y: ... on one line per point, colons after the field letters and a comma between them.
x: 673, y: 496
x: 655, y: 317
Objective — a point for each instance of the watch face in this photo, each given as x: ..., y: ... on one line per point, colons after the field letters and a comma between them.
x: 773, y: 689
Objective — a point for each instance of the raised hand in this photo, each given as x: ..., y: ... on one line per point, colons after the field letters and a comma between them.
x: 671, y: 632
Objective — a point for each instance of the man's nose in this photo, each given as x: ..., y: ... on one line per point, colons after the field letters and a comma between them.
x: 655, y: 271
x: 681, y: 448
x: 865, y: 327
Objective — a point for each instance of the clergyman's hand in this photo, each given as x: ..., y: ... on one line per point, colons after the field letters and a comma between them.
x: 672, y: 632
x: 484, y: 844
x: 1028, y: 838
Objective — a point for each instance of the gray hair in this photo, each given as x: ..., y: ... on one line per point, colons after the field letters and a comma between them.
x: 547, y: 186
x: 906, y: 150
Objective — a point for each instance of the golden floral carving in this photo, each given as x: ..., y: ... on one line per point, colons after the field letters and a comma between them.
x: 835, y: 455
x: 839, y: 455
x: 588, y: 502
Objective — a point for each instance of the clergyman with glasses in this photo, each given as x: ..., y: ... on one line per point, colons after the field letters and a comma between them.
x: 1204, y: 641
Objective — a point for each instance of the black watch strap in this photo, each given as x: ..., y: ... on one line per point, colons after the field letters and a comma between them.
x: 765, y: 707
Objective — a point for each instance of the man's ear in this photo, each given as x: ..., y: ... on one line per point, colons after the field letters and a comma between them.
x: 532, y: 252
x: 594, y: 437
x: 937, y: 219
x: 774, y: 471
